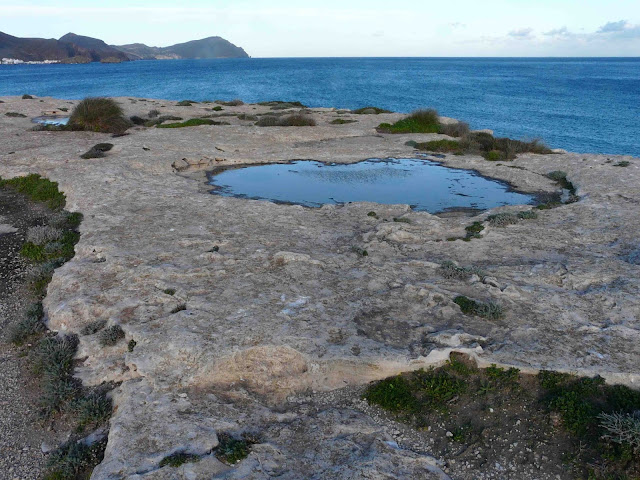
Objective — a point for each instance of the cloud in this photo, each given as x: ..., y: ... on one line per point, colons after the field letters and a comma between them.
x: 562, y: 32
x: 614, y: 27
x: 378, y: 33
x: 457, y: 25
x: 522, y: 33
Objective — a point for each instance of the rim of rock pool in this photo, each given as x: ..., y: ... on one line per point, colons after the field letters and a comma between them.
x: 537, y: 197
x: 51, y: 119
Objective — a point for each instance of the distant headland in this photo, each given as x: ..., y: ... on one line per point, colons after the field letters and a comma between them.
x: 72, y: 48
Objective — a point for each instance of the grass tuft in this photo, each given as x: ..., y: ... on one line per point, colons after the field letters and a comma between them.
x: 370, y: 111
x: 98, y: 114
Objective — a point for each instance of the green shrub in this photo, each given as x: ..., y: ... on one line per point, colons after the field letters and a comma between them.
x: 370, y: 111
x: 153, y: 113
x: 15, y: 115
x: 341, y: 121
x: 420, y: 121
x: 99, y: 114
x: 111, y: 335
x: 27, y: 97
x: 394, y: 394
x: 185, y: 103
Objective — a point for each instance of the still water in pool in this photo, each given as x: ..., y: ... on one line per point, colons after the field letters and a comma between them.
x: 425, y: 185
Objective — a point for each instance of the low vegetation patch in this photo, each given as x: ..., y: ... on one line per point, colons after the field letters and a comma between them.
x: 231, y: 450
x: 473, y: 231
x: 178, y: 459
x: 27, y: 97
x: 503, y: 219
x: 280, y: 105
x: 444, y: 146
x: 111, y: 335
x: 490, y: 310
x: 295, y: 120
x: 581, y: 424
x: 185, y: 103
x: 420, y: 121
x: 97, y: 114
x: 623, y: 163
x: 38, y: 189
x: 450, y: 270
x: 194, y: 122
x: 52, y: 356
x: 370, y: 111
x: 341, y: 121
x: 233, y: 103
x: 74, y: 461
x: 15, y: 114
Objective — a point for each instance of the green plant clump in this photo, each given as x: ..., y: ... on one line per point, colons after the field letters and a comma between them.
x: 97, y: 114
x: 29, y: 326
x: 488, y: 310
x: 231, y: 450
x: 15, y: 115
x: 111, y: 335
x: 502, y: 219
x: 74, y: 460
x: 38, y: 189
x: 450, y: 270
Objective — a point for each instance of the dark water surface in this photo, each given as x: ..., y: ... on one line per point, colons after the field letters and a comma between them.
x: 580, y: 104
x: 426, y: 186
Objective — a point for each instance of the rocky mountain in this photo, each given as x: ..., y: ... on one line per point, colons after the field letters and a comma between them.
x: 211, y: 47
x: 97, y: 50
x: 72, y: 48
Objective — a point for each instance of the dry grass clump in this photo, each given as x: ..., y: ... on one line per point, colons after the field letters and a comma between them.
x: 370, y: 111
x: 43, y: 234
x: 98, y: 114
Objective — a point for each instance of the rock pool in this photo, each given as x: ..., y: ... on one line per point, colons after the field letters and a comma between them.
x: 423, y: 184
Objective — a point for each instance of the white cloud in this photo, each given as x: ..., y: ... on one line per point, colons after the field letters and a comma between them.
x: 522, y: 33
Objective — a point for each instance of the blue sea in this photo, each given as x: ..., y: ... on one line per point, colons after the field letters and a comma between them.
x: 579, y: 104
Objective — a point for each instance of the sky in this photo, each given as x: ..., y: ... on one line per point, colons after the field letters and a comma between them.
x: 346, y: 28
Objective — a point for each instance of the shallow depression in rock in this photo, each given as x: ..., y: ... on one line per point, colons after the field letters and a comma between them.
x: 51, y: 120
x: 425, y: 185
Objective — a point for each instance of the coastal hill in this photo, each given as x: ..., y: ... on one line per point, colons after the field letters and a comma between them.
x: 211, y: 47
x: 72, y: 48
